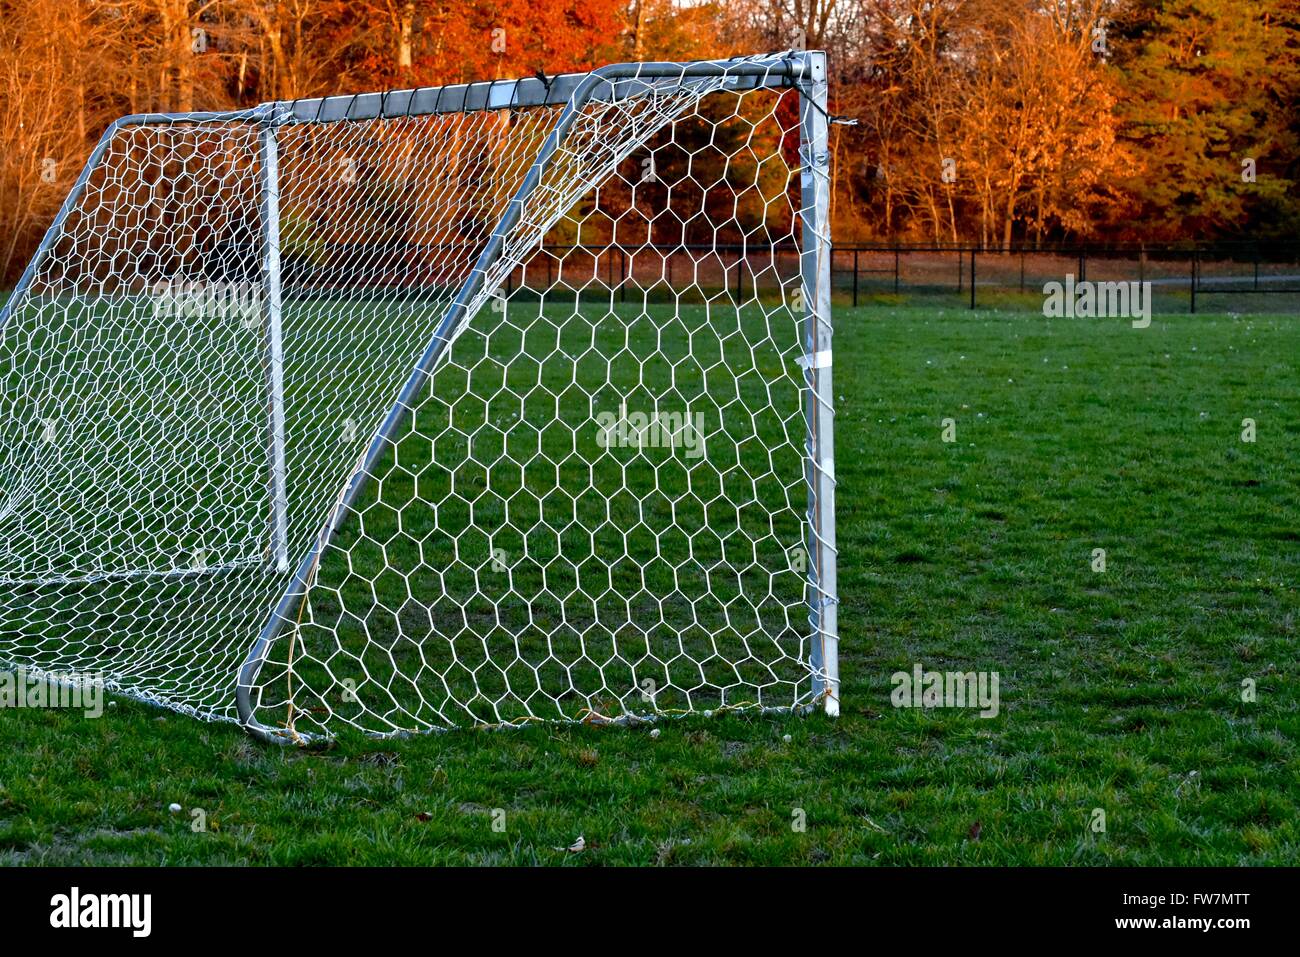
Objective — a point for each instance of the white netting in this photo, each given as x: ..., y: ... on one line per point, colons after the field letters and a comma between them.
x: 597, y: 504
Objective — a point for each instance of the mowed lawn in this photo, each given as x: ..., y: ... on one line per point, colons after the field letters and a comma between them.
x: 1121, y: 690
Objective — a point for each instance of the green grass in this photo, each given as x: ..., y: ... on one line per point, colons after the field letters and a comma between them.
x: 1119, y: 690
x: 619, y: 565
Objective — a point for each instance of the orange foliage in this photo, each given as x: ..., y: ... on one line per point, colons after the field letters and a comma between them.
x: 454, y: 42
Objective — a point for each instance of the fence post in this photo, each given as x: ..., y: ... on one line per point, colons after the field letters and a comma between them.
x: 895, y: 270
x: 855, y: 277
x: 1195, y: 254
x: 961, y: 259
x: 972, y: 277
x: 1022, y: 270
x: 1083, y: 263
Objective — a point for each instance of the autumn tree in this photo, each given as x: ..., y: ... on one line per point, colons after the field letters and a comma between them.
x: 57, y: 92
x: 1210, y: 96
x: 993, y: 121
x: 1037, y: 129
x: 292, y: 55
x: 395, y: 43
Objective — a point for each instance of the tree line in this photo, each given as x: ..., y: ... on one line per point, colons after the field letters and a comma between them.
x: 977, y: 121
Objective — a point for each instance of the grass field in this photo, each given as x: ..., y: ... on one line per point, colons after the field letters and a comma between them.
x: 1120, y: 690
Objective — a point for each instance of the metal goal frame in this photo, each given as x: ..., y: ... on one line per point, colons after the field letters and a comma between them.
x: 804, y: 71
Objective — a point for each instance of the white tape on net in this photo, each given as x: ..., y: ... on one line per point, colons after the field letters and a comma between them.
x: 818, y: 360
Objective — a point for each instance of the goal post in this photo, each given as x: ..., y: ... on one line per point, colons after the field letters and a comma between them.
x: 395, y: 452
x: 815, y: 268
x: 273, y: 320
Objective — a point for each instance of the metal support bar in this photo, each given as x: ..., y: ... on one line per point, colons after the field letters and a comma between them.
x: 815, y: 269
x: 271, y: 315
x: 776, y: 70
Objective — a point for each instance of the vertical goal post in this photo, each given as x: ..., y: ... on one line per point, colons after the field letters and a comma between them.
x: 615, y: 630
x: 273, y: 317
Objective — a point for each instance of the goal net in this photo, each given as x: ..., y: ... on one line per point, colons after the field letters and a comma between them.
x: 470, y: 405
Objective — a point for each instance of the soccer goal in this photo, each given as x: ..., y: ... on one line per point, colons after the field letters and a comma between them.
x: 459, y: 406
